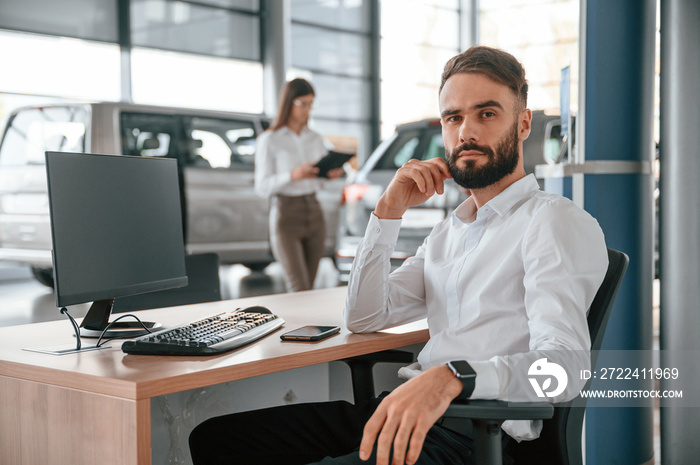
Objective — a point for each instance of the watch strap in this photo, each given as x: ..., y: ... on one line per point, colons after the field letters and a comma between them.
x: 468, y: 379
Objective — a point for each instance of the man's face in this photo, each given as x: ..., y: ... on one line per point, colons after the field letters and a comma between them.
x: 482, y: 130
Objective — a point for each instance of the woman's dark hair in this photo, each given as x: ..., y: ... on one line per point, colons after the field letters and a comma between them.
x: 292, y: 90
x: 493, y: 63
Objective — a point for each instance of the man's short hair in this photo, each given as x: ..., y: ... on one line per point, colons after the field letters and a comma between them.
x: 493, y: 63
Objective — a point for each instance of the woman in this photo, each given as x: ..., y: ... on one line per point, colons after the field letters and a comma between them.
x: 284, y: 170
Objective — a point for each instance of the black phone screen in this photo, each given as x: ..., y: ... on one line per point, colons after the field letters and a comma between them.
x: 310, y: 333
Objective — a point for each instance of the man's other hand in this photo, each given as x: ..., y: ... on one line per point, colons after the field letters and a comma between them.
x: 413, y: 184
x: 404, y: 417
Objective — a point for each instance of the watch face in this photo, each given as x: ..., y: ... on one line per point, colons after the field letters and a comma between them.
x: 463, y: 368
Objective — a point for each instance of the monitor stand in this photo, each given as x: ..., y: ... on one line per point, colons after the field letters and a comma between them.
x: 97, y: 319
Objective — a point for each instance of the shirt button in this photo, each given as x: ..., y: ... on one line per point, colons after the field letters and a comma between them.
x: 377, y: 230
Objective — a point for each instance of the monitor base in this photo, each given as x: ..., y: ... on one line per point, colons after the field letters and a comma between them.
x: 122, y: 330
x: 97, y: 319
x: 63, y: 349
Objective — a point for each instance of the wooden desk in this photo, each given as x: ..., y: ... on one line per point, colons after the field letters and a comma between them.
x: 94, y: 407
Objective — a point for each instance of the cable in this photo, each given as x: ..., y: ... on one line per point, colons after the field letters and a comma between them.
x: 78, y: 343
x: 112, y: 323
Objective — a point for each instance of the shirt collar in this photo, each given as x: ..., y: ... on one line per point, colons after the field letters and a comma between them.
x: 286, y: 130
x: 521, y: 189
x: 501, y: 204
x: 464, y: 213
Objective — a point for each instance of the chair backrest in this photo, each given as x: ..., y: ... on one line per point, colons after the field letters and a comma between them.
x: 560, y: 440
x: 203, y: 286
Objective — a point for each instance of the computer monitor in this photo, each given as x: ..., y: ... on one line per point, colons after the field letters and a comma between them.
x: 117, y: 230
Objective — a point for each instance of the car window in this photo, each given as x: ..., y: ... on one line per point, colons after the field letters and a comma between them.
x: 35, y: 131
x: 221, y: 143
x: 552, y: 143
x: 398, y: 153
x: 150, y: 135
x: 435, y: 149
x: 406, y: 152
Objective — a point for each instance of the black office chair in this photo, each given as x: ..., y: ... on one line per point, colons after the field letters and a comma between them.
x: 203, y: 286
x: 560, y: 440
x: 361, y: 370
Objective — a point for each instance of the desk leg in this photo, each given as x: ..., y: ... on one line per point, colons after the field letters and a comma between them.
x: 143, y: 432
x: 46, y: 424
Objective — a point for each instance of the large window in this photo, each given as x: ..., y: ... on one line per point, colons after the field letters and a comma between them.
x: 195, y: 81
x: 200, y: 54
x: 543, y: 35
x: 331, y: 46
x: 206, y: 29
x: 418, y: 37
x: 63, y: 67
x: 84, y: 19
x: 190, y: 53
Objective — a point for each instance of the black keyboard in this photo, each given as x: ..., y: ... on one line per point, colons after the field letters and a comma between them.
x: 213, y: 335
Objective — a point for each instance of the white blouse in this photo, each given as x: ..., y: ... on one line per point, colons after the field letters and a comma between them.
x: 281, y: 151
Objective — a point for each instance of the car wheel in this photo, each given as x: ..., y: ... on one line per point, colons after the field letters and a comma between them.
x: 43, y: 275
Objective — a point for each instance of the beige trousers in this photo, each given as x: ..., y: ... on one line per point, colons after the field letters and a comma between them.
x: 297, y: 236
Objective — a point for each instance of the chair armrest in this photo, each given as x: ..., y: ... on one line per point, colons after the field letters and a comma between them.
x: 488, y: 415
x: 361, y: 370
x: 386, y: 356
x: 479, y: 409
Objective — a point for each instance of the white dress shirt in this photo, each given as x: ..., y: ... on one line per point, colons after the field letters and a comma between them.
x: 278, y: 153
x: 499, y: 285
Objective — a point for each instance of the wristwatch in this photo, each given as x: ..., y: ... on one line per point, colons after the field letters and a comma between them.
x: 466, y: 374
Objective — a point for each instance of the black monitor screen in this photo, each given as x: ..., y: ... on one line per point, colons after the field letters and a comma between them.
x: 116, y: 225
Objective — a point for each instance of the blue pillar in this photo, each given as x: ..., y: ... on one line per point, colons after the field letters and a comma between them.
x: 618, y: 47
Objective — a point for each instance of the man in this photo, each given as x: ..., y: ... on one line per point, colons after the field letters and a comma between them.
x: 504, y: 282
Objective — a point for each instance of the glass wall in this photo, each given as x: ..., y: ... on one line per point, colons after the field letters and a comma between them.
x: 202, y: 54
x: 41, y: 69
x: 197, y: 28
x: 418, y: 37
x: 208, y: 54
x: 331, y: 47
x: 543, y: 35
x: 83, y: 19
x: 58, y: 66
x: 195, y: 81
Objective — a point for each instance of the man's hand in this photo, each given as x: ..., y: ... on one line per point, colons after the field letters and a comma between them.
x: 414, y: 183
x: 404, y: 417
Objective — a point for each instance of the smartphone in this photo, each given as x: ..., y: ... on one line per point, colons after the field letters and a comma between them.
x: 310, y: 333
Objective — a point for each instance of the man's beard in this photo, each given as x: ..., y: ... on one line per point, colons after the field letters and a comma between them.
x: 495, y: 169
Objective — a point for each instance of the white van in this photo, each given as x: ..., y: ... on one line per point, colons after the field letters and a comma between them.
x: 215, y: 150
